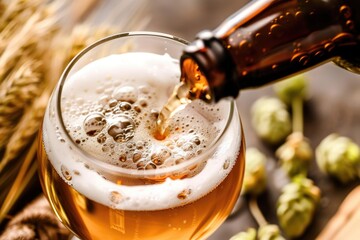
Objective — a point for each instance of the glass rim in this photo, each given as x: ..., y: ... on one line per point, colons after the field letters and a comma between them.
x: 110, y: 168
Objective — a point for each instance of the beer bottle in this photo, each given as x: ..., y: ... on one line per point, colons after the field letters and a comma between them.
x: 268, y: 40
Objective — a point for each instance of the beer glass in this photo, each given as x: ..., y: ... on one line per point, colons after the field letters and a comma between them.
x: 104, y: 174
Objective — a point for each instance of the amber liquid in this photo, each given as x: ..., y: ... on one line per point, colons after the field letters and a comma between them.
x: 193, y: 85
x: 91, y: 220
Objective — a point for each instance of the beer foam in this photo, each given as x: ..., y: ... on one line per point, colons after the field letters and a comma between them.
x: 109, y: 108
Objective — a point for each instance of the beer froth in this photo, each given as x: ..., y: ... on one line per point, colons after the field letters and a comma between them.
x: 115, y: 122
x: 109, y: 109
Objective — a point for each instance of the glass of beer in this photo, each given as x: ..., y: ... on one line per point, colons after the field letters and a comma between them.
x: 102, y: 169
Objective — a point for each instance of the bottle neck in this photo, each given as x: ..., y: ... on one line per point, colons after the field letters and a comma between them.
x: 214, y: 62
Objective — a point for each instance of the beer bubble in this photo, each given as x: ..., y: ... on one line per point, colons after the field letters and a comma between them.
x: 137, y: 109
x: 66, y: 173
x: 94, y: 123
x: 160, y: 156
x: 130, y: 145
x: 84, y: 112
x: 125, y: 106
x: 140, y: 145
x: 143, y: 102
x: 126, y: 94
x: 226, y: 164
x: 141, y: 165
x: 180, y: 142
x: 187, y: 147
x: 101, y: 138
x: 104, y: 100
x: 112, y: 103
x: 184, y: 194
x: 115, y: 197
x: 196, y: 140
x: 150, y: 166
x: 122, y: 129
x: 122, y: 157
x: 136, y: 156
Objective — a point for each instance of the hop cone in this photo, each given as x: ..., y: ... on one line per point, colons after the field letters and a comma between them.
x: 270, y: 232
x: 296, y: 206
x: 255, y: 172
x: 295, y: 154
x: 250, y: 234
x: 271, y: 120
x: 339, y: 157
x: 291, y: 88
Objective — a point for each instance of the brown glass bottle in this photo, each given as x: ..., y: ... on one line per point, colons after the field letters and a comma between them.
x: 269, y: 40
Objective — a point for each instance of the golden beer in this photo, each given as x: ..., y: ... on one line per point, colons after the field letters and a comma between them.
x: 105, y: 174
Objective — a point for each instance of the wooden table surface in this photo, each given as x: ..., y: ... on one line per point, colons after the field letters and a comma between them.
x: 334, y: 106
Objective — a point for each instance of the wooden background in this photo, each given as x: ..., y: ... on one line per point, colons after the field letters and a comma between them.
x: 334, y: 106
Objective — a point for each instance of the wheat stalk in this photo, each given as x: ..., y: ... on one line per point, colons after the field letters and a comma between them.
x: 16, y: 92
x: 33, y: 53
x: 26, y: 129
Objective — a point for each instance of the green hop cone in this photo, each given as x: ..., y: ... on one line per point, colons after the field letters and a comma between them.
x: 255, y: 172
x: 291, y: 88
x: 339, y: 157
x: 269, y: 232
x: 250, y: 234
x: 271, y: 120
x: 295, y: 154
x: 296, y: 206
